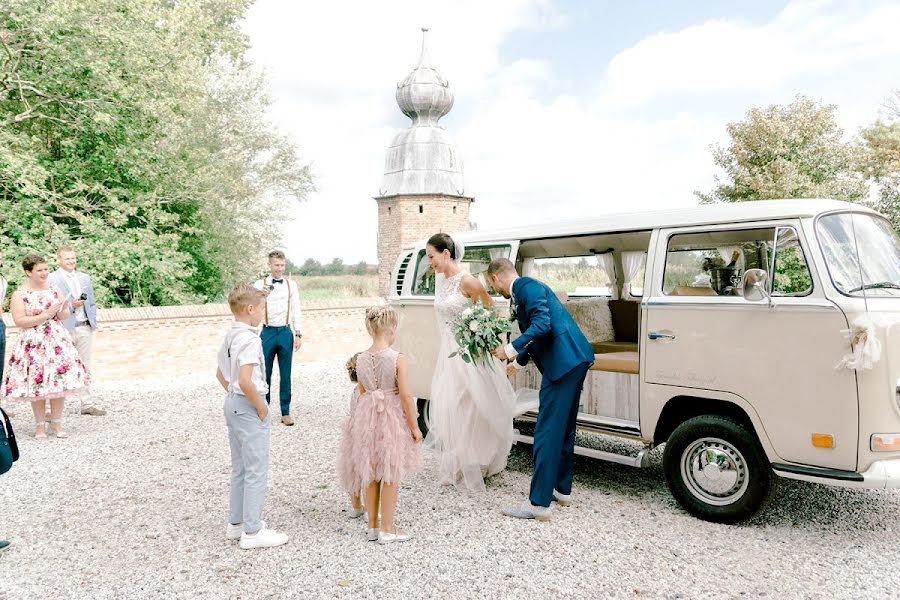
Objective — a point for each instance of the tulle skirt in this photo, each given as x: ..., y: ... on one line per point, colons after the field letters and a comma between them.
x: 469, y: 417
x: 376, y: 443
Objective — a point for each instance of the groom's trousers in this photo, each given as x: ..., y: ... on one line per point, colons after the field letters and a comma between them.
x: 279, y: 342
x: 554, y: 435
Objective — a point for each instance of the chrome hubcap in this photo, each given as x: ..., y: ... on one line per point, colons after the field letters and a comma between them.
x: 714, y: 471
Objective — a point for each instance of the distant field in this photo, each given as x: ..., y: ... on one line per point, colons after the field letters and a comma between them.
x: 327, y: 287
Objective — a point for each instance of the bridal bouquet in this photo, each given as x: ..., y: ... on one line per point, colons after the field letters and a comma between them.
x: 478, y: 330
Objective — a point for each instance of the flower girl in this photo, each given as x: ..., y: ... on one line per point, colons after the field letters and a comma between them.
x: 382, y: 432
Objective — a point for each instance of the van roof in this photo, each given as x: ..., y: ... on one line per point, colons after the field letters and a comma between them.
x: 709, y: 214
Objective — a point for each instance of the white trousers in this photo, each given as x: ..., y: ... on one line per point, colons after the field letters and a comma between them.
x: 83, y: 338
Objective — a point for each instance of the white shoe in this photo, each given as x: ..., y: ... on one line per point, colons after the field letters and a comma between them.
x: 528, y: 511
x: 264, y: 538
x: 355, y: 513
x: 233, y: 532
x: 390, y: 538
x: 372, y: 534
x: 562, y: 499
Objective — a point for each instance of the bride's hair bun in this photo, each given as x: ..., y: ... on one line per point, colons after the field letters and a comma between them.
x: 443, y: 241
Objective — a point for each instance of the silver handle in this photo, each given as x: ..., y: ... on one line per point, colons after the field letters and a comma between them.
x: 654, y: 335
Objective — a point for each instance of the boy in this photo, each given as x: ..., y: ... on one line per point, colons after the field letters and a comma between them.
x: 247, y: 416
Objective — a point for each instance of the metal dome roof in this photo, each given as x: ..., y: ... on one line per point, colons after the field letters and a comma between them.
x: 423, y: 159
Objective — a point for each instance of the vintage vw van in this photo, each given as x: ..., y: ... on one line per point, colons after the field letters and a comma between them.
x: 753, y: 339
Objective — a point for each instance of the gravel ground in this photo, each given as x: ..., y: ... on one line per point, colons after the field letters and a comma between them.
x: 134, y: 505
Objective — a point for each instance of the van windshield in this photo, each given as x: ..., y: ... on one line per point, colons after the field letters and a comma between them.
x: 877, y: 271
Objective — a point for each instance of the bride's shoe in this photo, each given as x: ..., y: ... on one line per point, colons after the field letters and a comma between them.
x: 40, y: 430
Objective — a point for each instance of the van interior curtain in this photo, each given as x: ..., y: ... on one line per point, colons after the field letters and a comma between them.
x: 632, y: 263
x: 608, y: 264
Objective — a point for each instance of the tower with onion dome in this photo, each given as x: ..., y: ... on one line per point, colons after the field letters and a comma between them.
x: 423, y: 191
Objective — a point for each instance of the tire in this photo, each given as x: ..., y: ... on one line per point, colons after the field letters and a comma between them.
x: 729, y: 495
x: 422, y: 406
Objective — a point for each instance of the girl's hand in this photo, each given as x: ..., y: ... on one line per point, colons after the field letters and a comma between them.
x: 417, y: 435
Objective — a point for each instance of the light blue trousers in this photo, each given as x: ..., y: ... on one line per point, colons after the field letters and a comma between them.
x: 249, y: 441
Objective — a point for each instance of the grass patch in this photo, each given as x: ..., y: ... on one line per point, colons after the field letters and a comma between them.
x: 330, y: 287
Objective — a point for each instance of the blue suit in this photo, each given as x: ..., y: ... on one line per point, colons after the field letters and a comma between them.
x: 563, y: 355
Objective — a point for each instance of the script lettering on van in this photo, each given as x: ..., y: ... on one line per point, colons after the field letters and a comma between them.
x: 689, y: 377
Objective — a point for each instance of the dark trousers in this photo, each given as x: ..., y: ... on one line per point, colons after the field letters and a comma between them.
x: 554, y: 436
x: 279, y: 341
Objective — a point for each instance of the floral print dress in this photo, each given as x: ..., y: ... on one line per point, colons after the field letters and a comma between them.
x: 44, y: 363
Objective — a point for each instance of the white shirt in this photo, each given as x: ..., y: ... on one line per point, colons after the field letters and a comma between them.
x: 277, y: 304
x: 510, y: 349
x: 242, y: 346
x: 75, y: 288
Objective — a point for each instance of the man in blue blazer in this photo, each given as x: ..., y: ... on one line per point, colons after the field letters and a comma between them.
x: 82, y: 321
x: 563, y: 355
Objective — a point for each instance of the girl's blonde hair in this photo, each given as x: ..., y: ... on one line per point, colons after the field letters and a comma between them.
x: 380, y: 319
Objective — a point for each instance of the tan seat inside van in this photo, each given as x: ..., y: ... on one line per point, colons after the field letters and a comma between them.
x: 617, y: 362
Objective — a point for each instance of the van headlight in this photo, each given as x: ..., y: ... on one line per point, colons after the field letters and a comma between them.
x: 885, y: 442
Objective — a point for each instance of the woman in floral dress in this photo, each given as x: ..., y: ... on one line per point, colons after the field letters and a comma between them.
x: 44, y: 364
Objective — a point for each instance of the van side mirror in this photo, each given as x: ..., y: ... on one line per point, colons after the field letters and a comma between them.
x: 754, y: 285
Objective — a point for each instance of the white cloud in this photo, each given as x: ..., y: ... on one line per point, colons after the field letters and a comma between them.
x: 806, y: 37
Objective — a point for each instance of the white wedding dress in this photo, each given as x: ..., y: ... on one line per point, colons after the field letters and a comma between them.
x: 471, y: 409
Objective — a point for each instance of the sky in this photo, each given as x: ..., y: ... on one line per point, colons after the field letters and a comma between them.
x: 562, y: 107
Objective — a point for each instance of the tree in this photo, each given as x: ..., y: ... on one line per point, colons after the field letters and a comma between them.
x: 310, y: 268
x: 136, y: 130
x: 880, y: 159
x: 335, y: 268
x: 787, y: 151
x: 361, y: 268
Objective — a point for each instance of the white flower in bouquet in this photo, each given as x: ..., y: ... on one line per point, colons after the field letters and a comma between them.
x: 477, y: 331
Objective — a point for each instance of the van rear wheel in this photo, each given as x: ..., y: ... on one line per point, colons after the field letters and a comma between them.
x: 716, y: 469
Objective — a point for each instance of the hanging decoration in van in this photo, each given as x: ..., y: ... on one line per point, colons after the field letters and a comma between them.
x: 866, y: 347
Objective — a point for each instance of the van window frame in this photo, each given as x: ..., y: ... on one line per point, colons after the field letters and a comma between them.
x: 418, y: 254
x: 658, y: 285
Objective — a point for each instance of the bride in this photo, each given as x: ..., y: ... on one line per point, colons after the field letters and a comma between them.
x: 471, y: 409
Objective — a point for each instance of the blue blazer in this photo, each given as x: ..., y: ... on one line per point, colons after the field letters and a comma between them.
x: 549, y: 334
x: 58, y: 279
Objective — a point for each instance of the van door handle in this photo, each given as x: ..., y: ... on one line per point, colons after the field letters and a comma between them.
x: 655, y: 335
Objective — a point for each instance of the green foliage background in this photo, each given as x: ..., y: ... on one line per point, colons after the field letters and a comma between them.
x: 135, y: 130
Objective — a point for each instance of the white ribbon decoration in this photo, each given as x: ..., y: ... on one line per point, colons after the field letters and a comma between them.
x: 865, y: 343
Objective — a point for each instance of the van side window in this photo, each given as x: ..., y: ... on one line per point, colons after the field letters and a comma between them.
x: 475, y: 262
x: 575, y: 275
x: 713, y: 263
x: 792, y: 276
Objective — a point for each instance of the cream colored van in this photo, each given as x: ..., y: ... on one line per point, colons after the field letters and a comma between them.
x: 727, y: 332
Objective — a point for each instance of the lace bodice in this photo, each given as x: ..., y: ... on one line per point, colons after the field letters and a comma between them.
x: 378, y: 370
x: 448, y: 299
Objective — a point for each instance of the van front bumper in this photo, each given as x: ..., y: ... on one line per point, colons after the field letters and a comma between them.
x: 882, y: 475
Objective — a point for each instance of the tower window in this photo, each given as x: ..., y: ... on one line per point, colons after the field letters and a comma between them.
x: 421, y: 209
x: 454, y: 210
x: 389, y: 210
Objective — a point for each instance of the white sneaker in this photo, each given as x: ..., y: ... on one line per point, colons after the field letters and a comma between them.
x: 264, y: 538
x: 372, y: 534
x: 562, y: 499
x: 355, y: 513
x: 390, y: 538
x: 233, y: 532
x: 528, y: 511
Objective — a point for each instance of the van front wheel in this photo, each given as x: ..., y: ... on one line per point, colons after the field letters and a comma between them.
x: 716, y: 469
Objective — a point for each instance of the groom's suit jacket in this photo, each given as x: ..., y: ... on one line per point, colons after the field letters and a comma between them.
x: 58, y: 279
x: 549, y: 334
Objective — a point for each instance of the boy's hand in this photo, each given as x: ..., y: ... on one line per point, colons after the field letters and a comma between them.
x: 262, y: 413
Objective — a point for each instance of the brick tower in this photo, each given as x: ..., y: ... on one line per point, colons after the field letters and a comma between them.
x: 423, y: 191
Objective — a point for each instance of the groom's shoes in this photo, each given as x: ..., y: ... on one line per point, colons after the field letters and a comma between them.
x: 562, y: 499
x: 527, y: 510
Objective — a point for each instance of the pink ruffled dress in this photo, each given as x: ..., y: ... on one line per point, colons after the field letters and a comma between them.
x: 376, y: 443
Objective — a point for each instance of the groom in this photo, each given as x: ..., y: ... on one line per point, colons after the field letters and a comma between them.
x: 563, y: 356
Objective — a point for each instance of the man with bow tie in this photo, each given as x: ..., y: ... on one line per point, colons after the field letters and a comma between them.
x: 281, y: 329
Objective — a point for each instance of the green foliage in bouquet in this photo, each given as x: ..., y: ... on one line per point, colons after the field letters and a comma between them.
x: 477, y: 331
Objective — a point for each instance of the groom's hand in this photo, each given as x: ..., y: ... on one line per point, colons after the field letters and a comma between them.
x: 500, y: 352
x: 511, y: 370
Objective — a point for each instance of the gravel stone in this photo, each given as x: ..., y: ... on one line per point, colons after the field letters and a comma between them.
x: 134, y: 505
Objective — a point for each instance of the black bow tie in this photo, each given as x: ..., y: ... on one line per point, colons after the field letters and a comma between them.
x: 277, y: 280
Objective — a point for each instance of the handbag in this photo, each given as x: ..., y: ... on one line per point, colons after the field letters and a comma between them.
x: 9, y: 449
